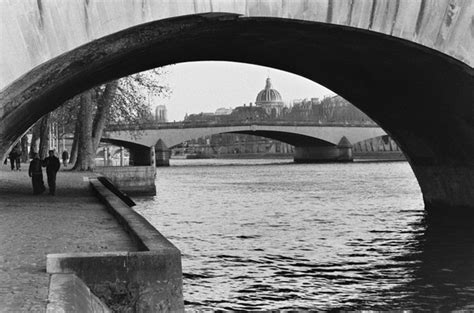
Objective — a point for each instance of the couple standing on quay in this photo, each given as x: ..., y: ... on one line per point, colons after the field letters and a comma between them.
x: 36, y: 173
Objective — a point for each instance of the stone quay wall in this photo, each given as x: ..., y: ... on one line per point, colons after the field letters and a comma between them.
x: 133, y: 180
x: 149, y: 280
x: 68, y: 293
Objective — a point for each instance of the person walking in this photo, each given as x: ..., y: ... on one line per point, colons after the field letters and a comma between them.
x: 52, y: 167
x: 12, y: 156
x: 18, y: 160
x: 36, y: 173
x: 65, y: 156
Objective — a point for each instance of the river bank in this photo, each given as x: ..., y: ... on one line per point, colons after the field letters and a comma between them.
x: 33, y: 226
x: 358, y: 156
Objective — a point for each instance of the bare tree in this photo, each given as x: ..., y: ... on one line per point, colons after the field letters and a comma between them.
x: 44, y: 136
x: 120, y: 102
x: 85, y: 156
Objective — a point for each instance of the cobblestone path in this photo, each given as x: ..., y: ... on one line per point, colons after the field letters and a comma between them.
x: 32, y: 226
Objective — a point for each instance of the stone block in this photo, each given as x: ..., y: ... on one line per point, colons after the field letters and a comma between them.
x: 147, y: 281
x: 68, y: 293
x: 134, y: 180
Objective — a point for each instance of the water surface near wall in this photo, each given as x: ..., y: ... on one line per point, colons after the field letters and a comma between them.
x: 268, y: 234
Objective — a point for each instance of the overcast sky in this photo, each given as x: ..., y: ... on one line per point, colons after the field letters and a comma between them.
x: 206, y: 86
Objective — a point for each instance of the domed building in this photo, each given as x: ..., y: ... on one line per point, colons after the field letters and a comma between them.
x: 270, y: 100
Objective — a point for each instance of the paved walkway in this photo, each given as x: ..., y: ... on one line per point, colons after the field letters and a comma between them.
x: 32, y: 226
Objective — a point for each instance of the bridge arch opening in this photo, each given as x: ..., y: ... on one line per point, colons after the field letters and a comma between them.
x: 138, y: 154
x: 427, y: 96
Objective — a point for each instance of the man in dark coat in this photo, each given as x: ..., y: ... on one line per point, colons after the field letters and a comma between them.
x: 36, y: 173
x: 18, y: 160
x: 52, y: 167
x: 12, y: 156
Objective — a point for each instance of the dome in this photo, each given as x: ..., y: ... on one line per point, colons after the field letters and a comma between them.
x: 268, y: 95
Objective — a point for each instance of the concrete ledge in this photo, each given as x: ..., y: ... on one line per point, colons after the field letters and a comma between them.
x: 125, y: 281
x: 134, y: 180
x: 68, y: 293
x: 322, y: 154
x: 149, y: 280
x: 386, y: 155
x: 141, y: 231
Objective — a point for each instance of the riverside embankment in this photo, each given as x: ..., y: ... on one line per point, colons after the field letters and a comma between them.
x: 33, y: 226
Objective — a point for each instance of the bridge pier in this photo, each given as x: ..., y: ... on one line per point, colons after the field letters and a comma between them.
x: 162, y: 154
x: 323, y: 154
x: 141, y: 155
x: 446, y: 187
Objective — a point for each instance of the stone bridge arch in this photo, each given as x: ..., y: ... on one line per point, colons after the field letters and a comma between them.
x: 32, y: 32
x: 421, y: 97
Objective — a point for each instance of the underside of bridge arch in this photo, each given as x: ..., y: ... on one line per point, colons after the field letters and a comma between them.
x: 139, y: 154
x: 289, y: 138
x: 422, y: 98
x: 309, y: 149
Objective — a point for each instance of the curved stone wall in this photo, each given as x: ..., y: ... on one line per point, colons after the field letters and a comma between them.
x: 34, y: 31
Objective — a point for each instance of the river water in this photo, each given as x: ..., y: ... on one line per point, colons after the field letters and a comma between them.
x: 270, y: 234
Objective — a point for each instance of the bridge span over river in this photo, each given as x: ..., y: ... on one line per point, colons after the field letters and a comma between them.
x: 314, y: 142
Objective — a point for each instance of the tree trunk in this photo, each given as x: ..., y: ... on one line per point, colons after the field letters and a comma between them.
x: 24, y: 149
x: 44, y: 136
x: 103, y: 108
x: 34, y: 145
x: 85, y: 156
x: 75, y: 143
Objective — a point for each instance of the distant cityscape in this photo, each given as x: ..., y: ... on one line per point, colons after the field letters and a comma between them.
x: 269, y: 106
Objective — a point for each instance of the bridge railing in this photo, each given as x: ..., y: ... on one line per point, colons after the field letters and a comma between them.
x: 174, y: 125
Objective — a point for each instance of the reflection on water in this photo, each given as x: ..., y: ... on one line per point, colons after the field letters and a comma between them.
x: 444, y: 277
x: 328, y: 236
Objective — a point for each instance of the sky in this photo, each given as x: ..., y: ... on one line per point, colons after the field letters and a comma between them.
x: 206, y: 86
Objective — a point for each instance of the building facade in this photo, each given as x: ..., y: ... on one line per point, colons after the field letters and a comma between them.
x: 161, y: 114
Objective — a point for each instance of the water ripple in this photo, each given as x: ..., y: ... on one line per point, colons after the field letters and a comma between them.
x: 310, y: 237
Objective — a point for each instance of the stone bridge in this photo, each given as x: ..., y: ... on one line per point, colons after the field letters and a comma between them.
x: 406, y: 63
x: 313, y: 143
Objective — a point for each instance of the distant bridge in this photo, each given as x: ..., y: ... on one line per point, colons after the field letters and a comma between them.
x: 314, y: 142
